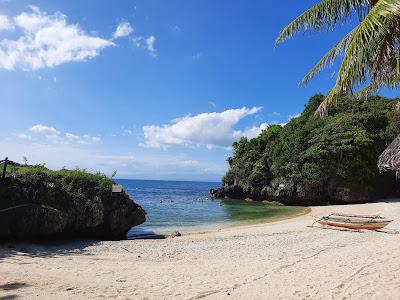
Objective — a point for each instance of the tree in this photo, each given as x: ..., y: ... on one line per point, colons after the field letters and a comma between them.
x: 371, y: 50
x: 311, y: 152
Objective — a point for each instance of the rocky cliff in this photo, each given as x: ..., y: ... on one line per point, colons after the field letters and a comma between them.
x: 36, y: 203
x: 297, y: 194
x: 315, y: 161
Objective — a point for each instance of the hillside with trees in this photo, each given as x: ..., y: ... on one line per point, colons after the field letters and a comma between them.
x: 313, y: 160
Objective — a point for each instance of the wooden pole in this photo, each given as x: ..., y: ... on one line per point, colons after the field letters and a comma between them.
x: 5, y: 168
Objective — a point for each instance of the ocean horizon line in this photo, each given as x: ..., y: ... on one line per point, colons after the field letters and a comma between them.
x: 168, y: 180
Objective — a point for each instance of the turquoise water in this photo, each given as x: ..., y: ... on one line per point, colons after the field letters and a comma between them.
x: 182, y: 206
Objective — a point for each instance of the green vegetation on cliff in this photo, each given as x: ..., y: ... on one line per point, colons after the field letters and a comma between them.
x: 314, y: 152
x: 37, y: 203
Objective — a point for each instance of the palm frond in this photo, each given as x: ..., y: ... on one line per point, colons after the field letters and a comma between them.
x: 326, y: 13
x: 366, y: 41
x: 362, y: 52
x: 329, y: 57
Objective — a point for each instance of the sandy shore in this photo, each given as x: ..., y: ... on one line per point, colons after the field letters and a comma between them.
x: 281, y: 260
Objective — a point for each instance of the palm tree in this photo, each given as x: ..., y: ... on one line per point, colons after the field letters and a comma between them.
x: 371, y: 50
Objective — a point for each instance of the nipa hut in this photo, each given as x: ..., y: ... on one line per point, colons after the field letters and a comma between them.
x: 390, y: 158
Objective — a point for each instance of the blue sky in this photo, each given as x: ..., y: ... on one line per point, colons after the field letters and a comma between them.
x: 152, y: 89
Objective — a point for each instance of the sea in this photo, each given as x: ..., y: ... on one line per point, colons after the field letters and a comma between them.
x: 186, y: 206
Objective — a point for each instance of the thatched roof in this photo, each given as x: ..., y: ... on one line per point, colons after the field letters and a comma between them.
x: 390, y: 158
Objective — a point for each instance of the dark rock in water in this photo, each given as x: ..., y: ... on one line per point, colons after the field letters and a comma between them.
x: 232, y: 191
x: 148, y: 237
x: 46, y: 205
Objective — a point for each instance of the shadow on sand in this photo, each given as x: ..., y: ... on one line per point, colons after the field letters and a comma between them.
x: 44, y: 249
x: 11, y: 286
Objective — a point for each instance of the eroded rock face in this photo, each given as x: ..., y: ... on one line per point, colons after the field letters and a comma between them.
x: 53, y: 207
x: 297, y: 194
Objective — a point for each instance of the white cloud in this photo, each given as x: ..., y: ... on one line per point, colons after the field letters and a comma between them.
x: 42, y: 129
x: 24, y: 136
x: 124, y: 29
x: 47, y: 41
x: 39, y: 131
x: 5, y: 23
x: 131, y: 165
x: 207, y: 129
x: 251, y: 132
x: 145, y: 43
x: 150, y: 45
x: 294, y: 116
x: 83, y: 140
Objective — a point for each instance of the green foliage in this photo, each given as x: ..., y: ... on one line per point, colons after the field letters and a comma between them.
x: 57, y: 188
x: 77, y: 174
x: 344, y: 146
x: 371, y: 58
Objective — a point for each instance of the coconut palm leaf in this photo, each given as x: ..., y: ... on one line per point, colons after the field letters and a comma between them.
x: 372, y: 49
x: 329, y: 57
x: 361, y: 54
x: 327, y: 14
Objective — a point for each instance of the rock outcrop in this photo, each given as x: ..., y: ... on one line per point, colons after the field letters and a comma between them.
x: 301, y: 195
x: 42, y: 205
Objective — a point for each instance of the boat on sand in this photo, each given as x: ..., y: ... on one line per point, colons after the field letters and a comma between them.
x: 355, y: 222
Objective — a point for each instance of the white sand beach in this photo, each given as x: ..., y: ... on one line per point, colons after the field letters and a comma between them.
x: 280, y: 260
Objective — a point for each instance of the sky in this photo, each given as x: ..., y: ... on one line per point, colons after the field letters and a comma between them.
x: 152, y: 89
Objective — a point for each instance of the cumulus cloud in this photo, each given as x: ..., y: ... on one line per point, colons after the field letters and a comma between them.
x: 251, y: 132
x: 5, y: 23
x: 37, y: 132
x: 124, y: 29
x: 42, y: 129
x: 207, y: 129
x: 46, y: 41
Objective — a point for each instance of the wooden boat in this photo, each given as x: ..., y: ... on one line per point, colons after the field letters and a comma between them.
x: 356, y: 222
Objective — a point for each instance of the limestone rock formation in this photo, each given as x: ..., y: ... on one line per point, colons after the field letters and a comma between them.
x: 70, y: 204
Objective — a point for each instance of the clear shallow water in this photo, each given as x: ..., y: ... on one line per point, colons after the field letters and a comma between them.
x: 182, y: 206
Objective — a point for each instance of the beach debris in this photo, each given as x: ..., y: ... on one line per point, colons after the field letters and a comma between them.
x: 126, y: 250
x: 353, y: 221
x: 175, y: 234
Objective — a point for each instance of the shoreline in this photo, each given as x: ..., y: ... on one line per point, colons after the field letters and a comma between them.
x: 283, y: 259
x: 250, y: 223
x: 201, y: 229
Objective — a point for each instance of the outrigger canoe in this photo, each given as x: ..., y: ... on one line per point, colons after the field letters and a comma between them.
x: 356, y: 222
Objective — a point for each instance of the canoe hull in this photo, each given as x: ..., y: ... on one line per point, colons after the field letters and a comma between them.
x: 367, y: 225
